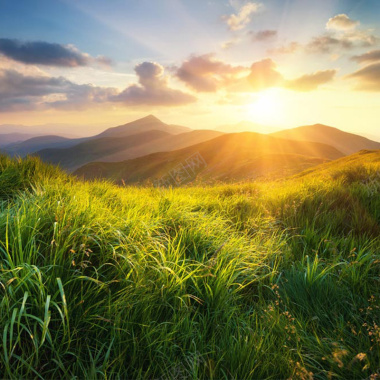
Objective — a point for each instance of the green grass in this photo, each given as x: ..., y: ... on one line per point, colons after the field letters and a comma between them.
x: 266, y: 280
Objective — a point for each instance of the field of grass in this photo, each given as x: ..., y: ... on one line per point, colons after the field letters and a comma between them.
x: 264, y: 280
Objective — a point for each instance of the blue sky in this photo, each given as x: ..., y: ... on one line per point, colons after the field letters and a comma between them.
x: 307, y: 59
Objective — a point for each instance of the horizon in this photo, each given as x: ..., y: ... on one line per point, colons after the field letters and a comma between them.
x: 65, y: 130
x: 197, y: 64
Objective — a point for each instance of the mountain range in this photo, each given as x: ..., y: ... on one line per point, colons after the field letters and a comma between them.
x: 148, y: 149
x: 229, y: 157
x: 347, y: 143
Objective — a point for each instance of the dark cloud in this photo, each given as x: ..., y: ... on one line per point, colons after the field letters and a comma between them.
x: 152, y: 89
x: 45, y: 53
x: 370, y: 56
x: 263, y: 35
x: 311, y: 82
x: 368, y: 78
x: 19, y: 91
x: 204, y: 73
x: 25, y: 92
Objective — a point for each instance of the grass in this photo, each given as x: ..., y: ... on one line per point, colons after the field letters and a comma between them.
x: 261, y: 280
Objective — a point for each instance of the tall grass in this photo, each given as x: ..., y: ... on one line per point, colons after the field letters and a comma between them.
x: 262, y: 280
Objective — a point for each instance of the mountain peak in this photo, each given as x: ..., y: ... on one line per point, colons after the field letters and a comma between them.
x: 150, y: 118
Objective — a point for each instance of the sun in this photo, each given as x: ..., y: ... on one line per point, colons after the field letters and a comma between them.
x: 268, y: 107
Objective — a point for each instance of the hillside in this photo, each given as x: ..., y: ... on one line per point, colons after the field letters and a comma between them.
x: 30, y: 144
x: 94, y: 149
x: 121, y: 148
x: 345, y: 142
x: 167, y: 143
x: 11, y: 138
x: 228, y: 157
x: 259, y: 280
x: 35, y: 144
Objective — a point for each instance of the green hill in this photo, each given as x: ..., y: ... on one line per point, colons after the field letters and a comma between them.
x: 269, y: 279
x: 229, y: 157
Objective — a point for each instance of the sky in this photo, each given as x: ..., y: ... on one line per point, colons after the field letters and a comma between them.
x: 276, y: 63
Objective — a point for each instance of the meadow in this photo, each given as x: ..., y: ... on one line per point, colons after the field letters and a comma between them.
x: 261, y: 280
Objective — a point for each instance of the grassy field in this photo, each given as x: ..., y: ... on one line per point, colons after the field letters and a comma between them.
x: 263, y: 280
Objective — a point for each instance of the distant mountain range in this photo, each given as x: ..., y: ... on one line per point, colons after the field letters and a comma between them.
x: 13, y: 138
x: 245, y: 126
x: 347, y: 143
x: 229, y: 157
x: 135, y: 139
x: 148, y: 149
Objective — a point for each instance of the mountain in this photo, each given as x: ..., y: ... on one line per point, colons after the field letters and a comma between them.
x: 12, y: 138
x: 145, y: 124
x: 163, y: 144
x: 37, y: 143
x: 229, y: 157
x: 20, y: 145
x: 345, y: 142
x: 65, y: 130
x: 113, y: 149
x: 94, y: 149
x: 244, y: 126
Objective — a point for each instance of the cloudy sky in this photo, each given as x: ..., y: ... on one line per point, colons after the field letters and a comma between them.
x: 278, y: 63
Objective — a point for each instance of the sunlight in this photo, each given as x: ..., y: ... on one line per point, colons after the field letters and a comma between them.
x: 268, y: 107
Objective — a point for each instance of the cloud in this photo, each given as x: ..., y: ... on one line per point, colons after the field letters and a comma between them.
x: 26, y: 92
x: 311, y: 82
x: 289, y: 48
x: 22, y: 92
x: 347, y: 41
x: 368, y: 78
x: 204, y: 73
x: 152, y: 89
x: 341, y: 22
x: 46, y: 53
x: 243, y: 17
x: 263, y: 35
x: 341, y: 34
x: 326, y: 43
x: 264, y: 75
x: 370, y: 56
x: 230, y: 43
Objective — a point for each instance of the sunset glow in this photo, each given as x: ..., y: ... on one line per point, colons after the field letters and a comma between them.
x: 197, y: 63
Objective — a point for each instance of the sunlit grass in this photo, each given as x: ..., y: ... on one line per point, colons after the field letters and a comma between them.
x: 262, y: 280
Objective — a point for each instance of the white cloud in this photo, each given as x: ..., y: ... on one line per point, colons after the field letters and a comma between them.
x: 239, y: 20
x: 341, y: 22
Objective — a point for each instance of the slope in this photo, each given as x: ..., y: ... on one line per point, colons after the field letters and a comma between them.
x: 12, y: 138
x: 35, y: 144
x: 164, y: 144
x: 228, y: 157
x: 263, y: 280
x: 345, y: 142
x: 93, y: 149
